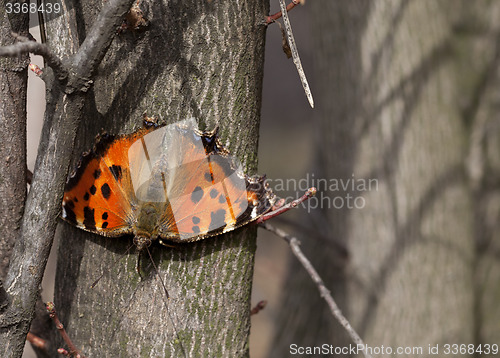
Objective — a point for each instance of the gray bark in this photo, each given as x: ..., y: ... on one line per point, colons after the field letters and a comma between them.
x: 405, y: 98
x: 43, y: 204
x: 197, y: 58
x: 13, y: 86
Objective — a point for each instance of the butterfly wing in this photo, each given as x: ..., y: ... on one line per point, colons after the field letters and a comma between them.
x: 216, y: 199
x: 204, y: 188
x: 184, y: 176
x: 97, y: 196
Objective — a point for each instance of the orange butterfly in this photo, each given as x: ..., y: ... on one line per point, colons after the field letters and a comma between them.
x: 170, y: 182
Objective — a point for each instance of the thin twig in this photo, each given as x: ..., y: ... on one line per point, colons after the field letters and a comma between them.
x: 271, y: 18
x: 73, y: 351
x: 258, y: 307
x: 324, y: 292
x: 336, y: 244
x: 37, y: 341
x: 295, y: 53
x: 293, y: 204
x: 37, y: 70
x: 25, y: 46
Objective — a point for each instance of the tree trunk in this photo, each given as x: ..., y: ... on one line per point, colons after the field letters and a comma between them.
x: 401, y: 86
x: 13, y: 87
x: 196, y: 58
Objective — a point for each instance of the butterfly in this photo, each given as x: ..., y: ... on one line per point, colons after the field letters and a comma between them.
x: 167, y: 183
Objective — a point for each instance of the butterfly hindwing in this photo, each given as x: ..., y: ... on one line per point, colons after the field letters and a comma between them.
x: 208, y: 193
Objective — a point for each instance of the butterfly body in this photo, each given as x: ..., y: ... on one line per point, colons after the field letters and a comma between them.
x: 172, y: 182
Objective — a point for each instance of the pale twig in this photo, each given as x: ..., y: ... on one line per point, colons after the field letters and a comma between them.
x: 25, y: 45
x: 295, y: 53
x: 324, y: 292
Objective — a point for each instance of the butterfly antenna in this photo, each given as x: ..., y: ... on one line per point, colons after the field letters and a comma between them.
x: 166, y: 302
x: 112, y: 264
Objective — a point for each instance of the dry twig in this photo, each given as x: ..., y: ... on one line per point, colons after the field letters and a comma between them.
x: 36, y: 341
x: 26, y: 45
x: 324, y: 292
x: 293, y: 204
x: 258, y: 307
x: 73, y: 351
x: 295, y: 53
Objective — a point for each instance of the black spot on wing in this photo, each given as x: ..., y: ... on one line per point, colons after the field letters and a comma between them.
x: 197, y: 194
x: 69, y: 214
x: 105, y: 215
x: 222, y: 199
x: 209, y: 177
x: 214, y: 193
x: 104, y: 225
x: 116, y: 170
x: 89, y: 219
x: 196, y: 220
x: 93, y: 189
x: 75, y: 199
x: 195, y: 229
x: 70, y: 204
x: 105, y: 190
x: 99, y: 150
x: 97, y: 173
x: 226, y: 164
x: 217, y: 219
x: 86, y: 196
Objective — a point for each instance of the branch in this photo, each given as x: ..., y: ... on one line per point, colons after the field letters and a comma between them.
x: 37, y: 341
x: 96, y: 44
x: 295, y: 54
x: 27, y: 46
x: 85, y: 62
x: 43, y: 205
x: 258, y: 307
x: 324, y: 292
x: 73, y: 351
x: 293, y: 204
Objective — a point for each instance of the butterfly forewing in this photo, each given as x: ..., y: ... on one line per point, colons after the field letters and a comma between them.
x: 97, y: 196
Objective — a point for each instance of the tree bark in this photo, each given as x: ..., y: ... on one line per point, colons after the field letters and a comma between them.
x: 13, y: 87
x: 197, y: 58
x: 401, y: 82
x: 43, y: 204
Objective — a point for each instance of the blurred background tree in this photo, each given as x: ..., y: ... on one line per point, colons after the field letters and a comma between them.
x: 407, y: 94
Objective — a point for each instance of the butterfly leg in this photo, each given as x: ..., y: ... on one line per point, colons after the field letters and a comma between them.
x: 138, y: 264
x: 142, y: 244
